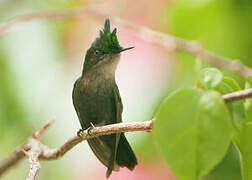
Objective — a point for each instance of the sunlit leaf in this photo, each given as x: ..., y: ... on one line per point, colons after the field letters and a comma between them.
x: 248, y: 102
x: 243, y: 140
x: 245, y: 148
x: 231, y: 83
x: 236, y: 108
x: 193, y: 131
x: 210, y: 78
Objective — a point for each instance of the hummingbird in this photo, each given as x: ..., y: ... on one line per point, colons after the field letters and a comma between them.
x: 97, y: 101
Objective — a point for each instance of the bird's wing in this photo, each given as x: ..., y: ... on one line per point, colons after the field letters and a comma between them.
x: 119, y: 109
x: 118, y: 104
x: 75, y: 93
x: 73, y: 98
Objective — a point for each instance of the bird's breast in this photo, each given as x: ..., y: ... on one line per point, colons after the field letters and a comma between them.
x: 95, y: 101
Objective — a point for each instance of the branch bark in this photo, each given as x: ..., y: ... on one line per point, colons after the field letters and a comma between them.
x: 33, y: 155
x: 50, y: 154
x: 167, y: 41
x: 35, y: 150
x: 238, y: 95
x: 13, y: 159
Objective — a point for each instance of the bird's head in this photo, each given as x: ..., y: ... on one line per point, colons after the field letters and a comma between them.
x: 105, y: 50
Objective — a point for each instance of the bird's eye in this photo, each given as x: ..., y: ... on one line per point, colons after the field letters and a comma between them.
x: 98, y: 53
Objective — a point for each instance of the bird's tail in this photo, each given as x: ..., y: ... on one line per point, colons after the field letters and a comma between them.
x: 125, y: 156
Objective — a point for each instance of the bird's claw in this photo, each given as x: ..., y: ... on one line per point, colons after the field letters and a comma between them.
x: 79, y: 133
x: 89, y: 130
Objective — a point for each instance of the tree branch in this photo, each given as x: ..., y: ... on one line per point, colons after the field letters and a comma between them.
x: 193, y: 47
x: 49, y: 154
x: 33, y: 155
x: 238, y: 95
x: 35, y: 150
x: 13, y: 159
x: 165, y: 40
x: 49, y: 15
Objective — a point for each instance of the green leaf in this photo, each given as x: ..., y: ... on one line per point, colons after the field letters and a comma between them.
x: 193, y: 131
x: 245, y: 148
x: 231, y: 83
x: 248, y: 102
x: 210, y: 78
x: 248, y: 82
x: 236, y: 108
x: 243, y: 140
x: 238, y: 115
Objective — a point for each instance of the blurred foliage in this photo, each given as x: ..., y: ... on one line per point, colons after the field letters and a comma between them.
x: 221, y: 26
x: 212, y: 78
x: 244, y: 139
x: 13, y: 114
x: 197, y: 126
x: 228, y: 169
x: 248, y: 102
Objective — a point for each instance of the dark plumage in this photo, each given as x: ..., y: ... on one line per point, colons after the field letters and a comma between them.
x: 96, y: 99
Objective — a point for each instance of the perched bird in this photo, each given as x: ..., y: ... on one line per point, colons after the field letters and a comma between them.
x: 97, y: 101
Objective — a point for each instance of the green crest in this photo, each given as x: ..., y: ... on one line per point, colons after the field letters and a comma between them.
x: 107, y: 42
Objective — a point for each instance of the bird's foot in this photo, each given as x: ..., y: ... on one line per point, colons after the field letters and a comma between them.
x: 90, y: 128
x: 79, y: 133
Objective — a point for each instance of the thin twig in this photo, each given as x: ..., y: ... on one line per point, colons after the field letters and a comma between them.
x: 165, y: 40
x: 238, y: 95
x: 97, y: 131
x: 40, y: 133
x: 49, y: 15
x: 193, y: 47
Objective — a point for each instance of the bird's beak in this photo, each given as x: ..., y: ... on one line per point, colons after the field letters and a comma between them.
x: 125, y: 49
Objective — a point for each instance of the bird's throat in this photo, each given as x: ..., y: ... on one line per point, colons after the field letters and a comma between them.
x: 105, y: 68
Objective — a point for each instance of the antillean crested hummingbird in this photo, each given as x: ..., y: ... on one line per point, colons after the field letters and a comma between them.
x: 97, y: 101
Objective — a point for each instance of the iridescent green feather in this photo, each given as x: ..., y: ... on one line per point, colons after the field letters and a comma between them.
x: 107, y: 42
